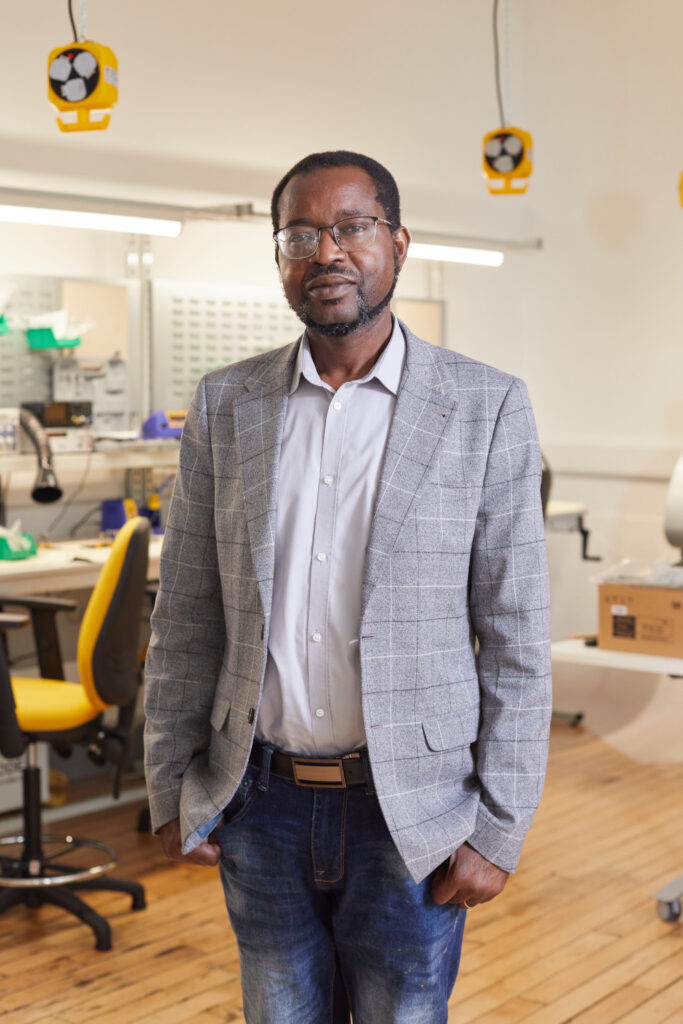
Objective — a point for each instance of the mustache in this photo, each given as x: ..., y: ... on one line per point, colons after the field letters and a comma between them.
x: 323, y: 271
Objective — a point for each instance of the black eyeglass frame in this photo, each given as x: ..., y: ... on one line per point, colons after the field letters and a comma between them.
x: 331, y: 227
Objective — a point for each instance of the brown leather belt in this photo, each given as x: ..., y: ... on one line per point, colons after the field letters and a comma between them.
x: 325, y: 772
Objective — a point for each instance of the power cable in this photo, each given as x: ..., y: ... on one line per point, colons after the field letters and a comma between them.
x: 84, y: 519
x: 496, y: 53
x: 73, y: 23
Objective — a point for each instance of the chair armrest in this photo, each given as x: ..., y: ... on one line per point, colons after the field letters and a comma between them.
x: 11, y: 741
x: 10, y: 621
x: 57, y: 604
x: 45, y: 636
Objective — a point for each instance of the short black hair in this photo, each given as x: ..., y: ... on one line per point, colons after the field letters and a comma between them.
x: 386, y: 188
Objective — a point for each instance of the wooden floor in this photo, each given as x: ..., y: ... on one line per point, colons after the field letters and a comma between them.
x: 574, y: 937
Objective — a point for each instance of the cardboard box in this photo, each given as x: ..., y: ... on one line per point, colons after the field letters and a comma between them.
x: 642, y: 619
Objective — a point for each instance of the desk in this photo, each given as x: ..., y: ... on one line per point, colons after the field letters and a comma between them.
x: 575, y: 652
x: 564, y: 515
x: 567, y: 517
x: 70, y: 565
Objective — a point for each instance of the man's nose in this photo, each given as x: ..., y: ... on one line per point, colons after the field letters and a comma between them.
x: 328, y: 250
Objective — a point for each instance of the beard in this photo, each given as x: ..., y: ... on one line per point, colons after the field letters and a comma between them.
x: 365, y: 315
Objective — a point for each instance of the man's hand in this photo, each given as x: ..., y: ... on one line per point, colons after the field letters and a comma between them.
x: 207, y: 853
x: 467, y: 877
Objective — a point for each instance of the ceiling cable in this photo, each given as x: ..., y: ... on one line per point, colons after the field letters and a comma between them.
x: 73, y: 23
x: 496, y: 53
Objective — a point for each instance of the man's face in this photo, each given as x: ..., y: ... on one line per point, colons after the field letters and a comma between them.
x: 335, y: 292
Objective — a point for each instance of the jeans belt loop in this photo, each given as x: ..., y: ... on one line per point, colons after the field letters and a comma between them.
x: 264, y: 776
x: 369, y: 781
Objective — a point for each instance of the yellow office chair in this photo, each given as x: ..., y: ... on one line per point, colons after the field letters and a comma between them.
x: 61, y: 713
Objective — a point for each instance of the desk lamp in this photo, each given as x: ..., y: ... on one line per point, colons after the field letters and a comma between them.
x: 45, y: 489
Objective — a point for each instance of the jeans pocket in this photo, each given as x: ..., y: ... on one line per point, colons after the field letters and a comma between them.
x: 242, y: 799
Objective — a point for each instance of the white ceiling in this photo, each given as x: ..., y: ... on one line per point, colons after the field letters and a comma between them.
x: 217, y: 99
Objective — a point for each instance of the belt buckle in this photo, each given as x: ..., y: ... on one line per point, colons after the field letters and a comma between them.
x: 326, y: 772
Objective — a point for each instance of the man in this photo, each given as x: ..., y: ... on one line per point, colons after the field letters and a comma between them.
x: 351, y: 514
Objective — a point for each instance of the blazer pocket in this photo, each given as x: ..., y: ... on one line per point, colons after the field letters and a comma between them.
x: 220, y: 711
x: 446, y: 732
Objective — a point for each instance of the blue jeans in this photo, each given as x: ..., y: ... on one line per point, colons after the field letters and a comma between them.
x: 326, y: 916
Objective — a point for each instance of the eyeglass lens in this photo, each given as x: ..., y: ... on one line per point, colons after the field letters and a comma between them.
x: 350, y: 234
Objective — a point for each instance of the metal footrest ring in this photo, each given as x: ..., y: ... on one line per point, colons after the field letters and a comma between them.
x: 16, y: 873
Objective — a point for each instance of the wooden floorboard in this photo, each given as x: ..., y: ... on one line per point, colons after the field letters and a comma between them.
x: 574, y: 937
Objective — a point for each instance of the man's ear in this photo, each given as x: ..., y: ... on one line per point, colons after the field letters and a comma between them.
x: 401, y: 244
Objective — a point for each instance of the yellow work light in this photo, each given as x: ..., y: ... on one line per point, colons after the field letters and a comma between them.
x: 82, y: 83
x: 507, y: 160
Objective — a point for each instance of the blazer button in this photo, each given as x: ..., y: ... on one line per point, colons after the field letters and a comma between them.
x: 250, y: 716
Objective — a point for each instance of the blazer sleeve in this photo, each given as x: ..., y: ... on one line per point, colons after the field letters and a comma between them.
x: 510, y: 614
x: 188, y: 625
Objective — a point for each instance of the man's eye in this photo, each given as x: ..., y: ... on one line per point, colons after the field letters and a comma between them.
x: 353, y: 228
x: 300, y: 237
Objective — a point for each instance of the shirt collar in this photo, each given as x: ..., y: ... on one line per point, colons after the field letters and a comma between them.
x: 387, y: 369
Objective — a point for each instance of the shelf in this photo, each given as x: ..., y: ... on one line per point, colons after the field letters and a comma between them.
x: 575, y: 652
x: 138, y: 455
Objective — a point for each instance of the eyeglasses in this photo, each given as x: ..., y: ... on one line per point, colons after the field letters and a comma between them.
x: 351, y: 234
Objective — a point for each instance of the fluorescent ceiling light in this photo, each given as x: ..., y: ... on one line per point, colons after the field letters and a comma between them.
x: 56, y: 209
x: 91, y: 221
x: 456, y: 254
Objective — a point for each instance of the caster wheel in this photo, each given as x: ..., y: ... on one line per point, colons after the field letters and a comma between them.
x: 669, y: 911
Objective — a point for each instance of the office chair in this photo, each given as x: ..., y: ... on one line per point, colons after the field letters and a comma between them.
x: 52, y: 710
x: 546, y: 483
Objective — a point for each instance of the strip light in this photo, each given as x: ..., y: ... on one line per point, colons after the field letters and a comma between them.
x: 91, y: 221
x: 456, y: 254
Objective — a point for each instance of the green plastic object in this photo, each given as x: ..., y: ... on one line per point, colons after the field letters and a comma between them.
x: 4, y: 326
x: 44, y: 337
x: 20, y: 545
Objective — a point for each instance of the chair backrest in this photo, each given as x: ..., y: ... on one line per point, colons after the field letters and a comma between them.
x: 108, y: 663
x: 546, y: 483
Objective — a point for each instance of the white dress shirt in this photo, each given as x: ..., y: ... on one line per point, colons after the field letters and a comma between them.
x: 332, y: 453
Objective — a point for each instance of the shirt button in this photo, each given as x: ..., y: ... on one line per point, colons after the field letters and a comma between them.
x: 316, y: 638
x: 336, y: 405
x: 327, y: 480
x: 321, y: 556
x: 319, y: 713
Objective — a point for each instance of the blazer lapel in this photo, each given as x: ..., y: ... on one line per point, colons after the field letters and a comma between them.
x: 424, y: 406
x: 259, y: 422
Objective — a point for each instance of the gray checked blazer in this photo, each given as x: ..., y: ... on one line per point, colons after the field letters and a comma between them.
x: 454, y: 634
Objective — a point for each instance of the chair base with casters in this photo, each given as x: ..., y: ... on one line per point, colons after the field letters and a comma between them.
x: 34, y: 876
x: 36, y: 869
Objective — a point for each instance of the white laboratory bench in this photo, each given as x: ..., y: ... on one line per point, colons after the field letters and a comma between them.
x: 67, y: 565
x: 575, y: 652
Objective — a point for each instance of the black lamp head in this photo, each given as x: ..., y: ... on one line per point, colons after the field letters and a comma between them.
x: 46, y: 489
